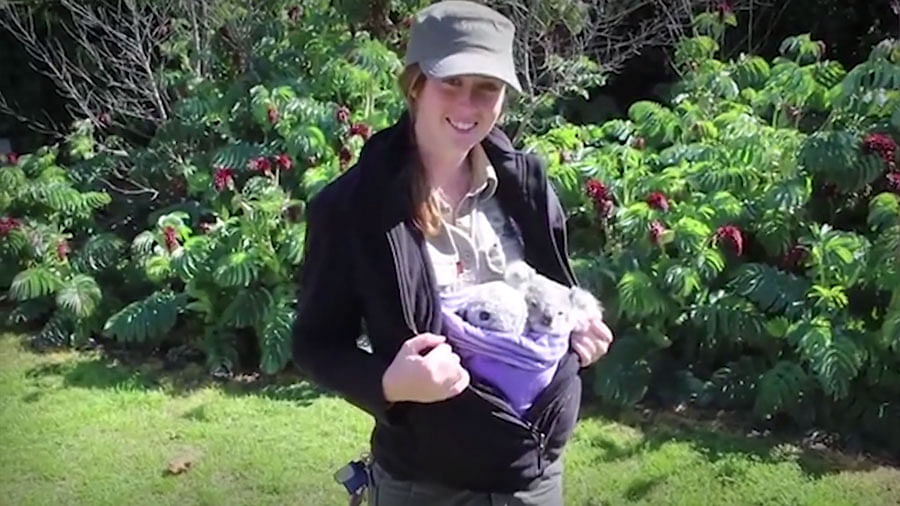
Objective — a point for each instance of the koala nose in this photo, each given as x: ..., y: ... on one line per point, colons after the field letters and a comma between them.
x: 484, y: 316
x: 547, y: 320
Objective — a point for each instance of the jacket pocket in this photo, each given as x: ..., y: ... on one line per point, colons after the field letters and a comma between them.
x: 469, y: 443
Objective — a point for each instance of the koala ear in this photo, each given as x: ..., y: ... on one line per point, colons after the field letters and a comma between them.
x: 583, y: 300
x: 518, y: 273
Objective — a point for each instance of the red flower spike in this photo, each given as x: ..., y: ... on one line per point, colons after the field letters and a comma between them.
x: 361, y: 129
x: 62, y: 250
x: 724, y: 7
x: 658, y: 200
x: 12, y: 158
x: 733, y: 236
x: 596, y: 190
x: 261, y: 164
x: 342, y: 115
x: 600, y: 196
x: 882, y: 145
x: 7, y: 225
x: 223, y: 177
x: 656, y: 231
x: 794, y: 257
x: 894, y: 182
x: 171, y: 238
x: 283, y: 161
x: 273, y: 114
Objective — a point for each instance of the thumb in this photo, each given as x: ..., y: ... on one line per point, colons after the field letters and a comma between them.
x: 422, y: 342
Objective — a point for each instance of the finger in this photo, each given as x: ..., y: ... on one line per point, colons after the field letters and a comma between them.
x: 439, y: 353
x: 461, y: 384
x: 584, y: 355
x: 422, y: 342
x: 601, y: 330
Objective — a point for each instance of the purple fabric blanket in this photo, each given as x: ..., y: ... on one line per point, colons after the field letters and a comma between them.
x: 521, y: 366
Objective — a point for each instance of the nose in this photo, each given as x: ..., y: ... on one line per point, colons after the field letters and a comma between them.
x: 467, y: 98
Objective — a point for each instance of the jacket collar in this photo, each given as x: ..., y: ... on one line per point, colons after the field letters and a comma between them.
x: 386, y: 172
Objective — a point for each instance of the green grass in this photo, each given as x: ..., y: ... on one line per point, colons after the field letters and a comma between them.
x: 78, y: 428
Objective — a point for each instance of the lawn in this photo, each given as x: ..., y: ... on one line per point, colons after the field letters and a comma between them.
x: 78, y: 428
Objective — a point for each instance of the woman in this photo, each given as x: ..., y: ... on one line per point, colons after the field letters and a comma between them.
x: 437, y: 201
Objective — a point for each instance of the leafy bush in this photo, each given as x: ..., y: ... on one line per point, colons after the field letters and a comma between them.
x: 745, y: 236
x: 209, y: 214
x: 43, y: 217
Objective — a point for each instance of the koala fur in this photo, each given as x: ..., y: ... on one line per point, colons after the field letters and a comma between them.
x: 552, y: 307
x: 496, y: 306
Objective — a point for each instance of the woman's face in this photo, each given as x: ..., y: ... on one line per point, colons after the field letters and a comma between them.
x: 455, y: 113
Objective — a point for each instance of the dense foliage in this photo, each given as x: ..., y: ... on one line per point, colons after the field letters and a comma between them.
x: 745, y: 236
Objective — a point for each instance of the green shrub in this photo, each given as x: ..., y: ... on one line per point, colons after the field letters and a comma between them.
x: 745, y: 236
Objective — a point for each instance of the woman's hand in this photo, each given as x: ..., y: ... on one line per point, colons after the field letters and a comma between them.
x: 430, y: 377
x: 593, y: 342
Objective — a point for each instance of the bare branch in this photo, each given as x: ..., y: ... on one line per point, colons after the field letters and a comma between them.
x: 104, y: 59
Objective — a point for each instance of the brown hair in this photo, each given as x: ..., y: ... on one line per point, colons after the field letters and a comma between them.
x: 426, y: 215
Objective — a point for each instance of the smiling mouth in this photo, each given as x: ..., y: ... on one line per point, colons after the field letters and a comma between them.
x: 461, y: 126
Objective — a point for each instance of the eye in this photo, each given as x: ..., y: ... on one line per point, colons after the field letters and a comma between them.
x: 484, y: 316
x: 452, y: 81
x: 489, y: 87
x: 547, y: 320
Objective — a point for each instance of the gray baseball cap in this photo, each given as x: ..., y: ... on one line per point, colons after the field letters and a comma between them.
x: 456, y: 37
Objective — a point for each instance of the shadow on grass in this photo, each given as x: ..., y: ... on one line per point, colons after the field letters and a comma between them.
x: 717, y: 444
x: 103, y: 372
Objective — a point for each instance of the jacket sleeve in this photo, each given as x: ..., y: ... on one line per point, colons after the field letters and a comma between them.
x: 329, y: 317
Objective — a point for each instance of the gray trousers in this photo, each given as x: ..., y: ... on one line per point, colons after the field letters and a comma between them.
x: 385, y: 490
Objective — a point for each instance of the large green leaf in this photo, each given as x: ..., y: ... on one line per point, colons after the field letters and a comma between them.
x: 291, y: 248
x: 834, y: 357
x: 79, y: 295
x: 237, y: 269
x: 780, y: 388
x: 35, y: 282
x: 655, y: 122
x: 275, y: 339
x: 248, y: 308
x: 639, y: 295
x: 771, y: 290
x: 99, y: 253
x: 193, y: 258
x: 622, y: 376
x: 751, y: 72
x: 884, y: 211
x: 145, y: 319
x: 725, y: 322
x: 158, y: 268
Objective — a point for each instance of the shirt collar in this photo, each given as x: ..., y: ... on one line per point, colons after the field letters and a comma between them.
x: 484, y: 180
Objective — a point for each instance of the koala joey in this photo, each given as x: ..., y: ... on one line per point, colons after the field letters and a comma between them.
x: 495, y: 306
x: 552, y: 307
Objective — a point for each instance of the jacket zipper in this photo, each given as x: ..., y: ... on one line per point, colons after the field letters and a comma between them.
x: 402, y: 285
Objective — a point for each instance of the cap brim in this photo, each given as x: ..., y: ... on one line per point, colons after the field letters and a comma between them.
x: 472, y: 64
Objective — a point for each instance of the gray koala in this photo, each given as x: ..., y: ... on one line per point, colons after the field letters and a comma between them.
x: 497, y: 306
x: 552, y: 307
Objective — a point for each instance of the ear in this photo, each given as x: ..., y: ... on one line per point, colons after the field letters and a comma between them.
x: 518, y: 273
x: 584, y: 301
